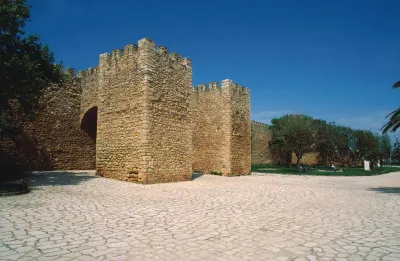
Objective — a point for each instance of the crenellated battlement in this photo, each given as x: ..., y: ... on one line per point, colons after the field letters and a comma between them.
x: 224, y: 84
x: 257, y: 123
x: 162, y: 50
x: 235, y: 86
x: 89, y: 72
x: 148, y: 49
x: 118, y: 55
x: 208, y: 87
x: 130, y: 49
x: 174, y: 57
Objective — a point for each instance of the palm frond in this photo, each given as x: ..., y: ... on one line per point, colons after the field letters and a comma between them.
x: 396, y: 126
x: 394, y: 122
x: 394, y: 114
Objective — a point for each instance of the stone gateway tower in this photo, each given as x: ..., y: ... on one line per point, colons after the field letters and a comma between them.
x: 148, y: 124
x: 143, y: 125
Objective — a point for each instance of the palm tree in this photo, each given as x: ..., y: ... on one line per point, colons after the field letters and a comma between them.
x: 394, y: 121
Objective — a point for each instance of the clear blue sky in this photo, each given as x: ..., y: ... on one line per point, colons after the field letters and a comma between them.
x: 331, y: 59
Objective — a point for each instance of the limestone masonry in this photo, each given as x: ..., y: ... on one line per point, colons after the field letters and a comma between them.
x: 137, y: 117
x: 260, y: 137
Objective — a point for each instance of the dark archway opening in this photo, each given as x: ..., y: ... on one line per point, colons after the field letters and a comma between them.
x: 89, y: 123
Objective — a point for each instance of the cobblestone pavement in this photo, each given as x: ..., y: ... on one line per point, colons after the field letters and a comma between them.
x: 76, y: 216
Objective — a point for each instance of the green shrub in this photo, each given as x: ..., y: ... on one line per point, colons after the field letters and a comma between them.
x: 216, y: 173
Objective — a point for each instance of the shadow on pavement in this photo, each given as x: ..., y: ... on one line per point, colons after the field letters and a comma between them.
x: 196, y: 175
x: 59, y: 178
x: 391, y: 190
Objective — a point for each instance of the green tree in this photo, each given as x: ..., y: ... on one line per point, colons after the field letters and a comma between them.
x: 26, y: 66
x: 394, y: 117
x: 327, y: 141
x: 366, y: 146
x: 345, y: 145
x: 278, y: 144
x: 295, y: 133
x: 325, y: 146
x: 396, y: 151
x: 334, y: 143
x: 385, y: 147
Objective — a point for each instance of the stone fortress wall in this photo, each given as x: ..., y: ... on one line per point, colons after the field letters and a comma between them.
x: 138, y: 118
x: 260, y: 137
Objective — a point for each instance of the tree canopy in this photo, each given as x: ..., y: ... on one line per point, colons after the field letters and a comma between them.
x: 334, y: 142
x: 26, y: 66
x: 396, y: 151
x: 300, y: 134
x: 294, y: 133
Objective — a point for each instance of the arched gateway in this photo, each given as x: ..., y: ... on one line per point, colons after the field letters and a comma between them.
x: 89, y: 123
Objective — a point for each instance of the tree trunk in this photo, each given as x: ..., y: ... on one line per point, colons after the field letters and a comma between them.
x: 324, y: 160
x: 288, y: 159
x: 299, y: 157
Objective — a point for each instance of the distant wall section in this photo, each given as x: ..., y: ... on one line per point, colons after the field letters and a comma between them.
x: 260, y: 137
x: 308, y: 158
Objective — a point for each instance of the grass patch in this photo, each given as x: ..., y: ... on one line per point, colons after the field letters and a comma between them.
x: 322, y: 171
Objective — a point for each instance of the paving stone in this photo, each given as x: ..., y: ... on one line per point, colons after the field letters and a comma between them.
x: 265, y: 217
x: 13, y: 257
x: 24, y: 249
